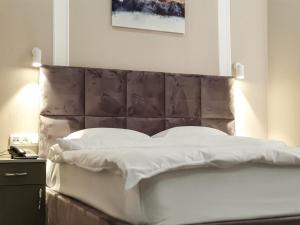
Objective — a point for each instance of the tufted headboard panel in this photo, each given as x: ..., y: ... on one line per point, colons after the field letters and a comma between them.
x: 74, y: 98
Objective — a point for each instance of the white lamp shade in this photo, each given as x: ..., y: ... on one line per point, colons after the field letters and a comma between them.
x: 36, y: 57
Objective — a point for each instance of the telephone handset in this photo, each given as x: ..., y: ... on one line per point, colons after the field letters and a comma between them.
x: 20, y: 153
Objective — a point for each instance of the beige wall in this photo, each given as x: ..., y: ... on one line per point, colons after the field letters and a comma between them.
x: 284, y: 66
x: 24, y: 24
x: 249, y: 46
x: 94, y: 42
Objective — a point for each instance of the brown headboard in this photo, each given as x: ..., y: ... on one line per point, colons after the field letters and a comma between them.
x: 74, y: 98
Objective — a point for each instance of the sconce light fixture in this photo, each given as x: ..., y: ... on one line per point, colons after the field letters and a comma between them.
x: 36, y: 57
x: 239, y: 71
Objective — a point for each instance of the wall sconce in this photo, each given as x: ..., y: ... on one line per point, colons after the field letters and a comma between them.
x: 239, y: 71
x: 36, y: 57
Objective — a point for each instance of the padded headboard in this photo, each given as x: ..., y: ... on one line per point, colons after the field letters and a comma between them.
x: 75, y: 98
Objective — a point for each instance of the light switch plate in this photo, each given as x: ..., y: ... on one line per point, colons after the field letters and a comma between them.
x: 24, y: 139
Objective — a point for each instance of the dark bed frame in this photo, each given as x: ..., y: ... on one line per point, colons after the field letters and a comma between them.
x: 74, y: 98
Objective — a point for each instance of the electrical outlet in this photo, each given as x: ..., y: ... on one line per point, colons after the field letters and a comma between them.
x: 25, y: 139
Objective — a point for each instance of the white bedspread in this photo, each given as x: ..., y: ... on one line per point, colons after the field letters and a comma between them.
x: 157, y: 155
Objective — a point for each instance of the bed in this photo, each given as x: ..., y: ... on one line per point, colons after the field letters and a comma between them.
x: 75, y: 98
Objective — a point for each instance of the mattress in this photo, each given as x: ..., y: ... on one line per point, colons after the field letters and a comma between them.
x: 186, y: 196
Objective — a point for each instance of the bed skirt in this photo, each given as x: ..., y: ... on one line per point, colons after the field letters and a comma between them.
x: 63, y: 210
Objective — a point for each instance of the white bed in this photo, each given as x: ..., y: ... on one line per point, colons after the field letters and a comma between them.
x: 151, y: 187
x: 185, y: 196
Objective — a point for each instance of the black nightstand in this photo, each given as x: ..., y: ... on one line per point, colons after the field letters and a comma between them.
x: 22, y: 192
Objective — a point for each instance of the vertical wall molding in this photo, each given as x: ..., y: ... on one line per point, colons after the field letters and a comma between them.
x: 61, y: 32
x: 224, y: 38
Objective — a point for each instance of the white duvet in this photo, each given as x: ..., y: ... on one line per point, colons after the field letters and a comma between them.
x: 152, y: 156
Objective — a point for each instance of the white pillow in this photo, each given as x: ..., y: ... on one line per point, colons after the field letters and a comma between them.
x: 78, y: 144
x: 188, y: 132
x: 107, y: 133
x: 95, y: 138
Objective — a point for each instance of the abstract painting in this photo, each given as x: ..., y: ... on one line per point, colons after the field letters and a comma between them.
x: 160, y: 15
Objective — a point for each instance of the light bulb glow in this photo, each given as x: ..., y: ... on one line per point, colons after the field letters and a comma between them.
x: 36, y: 64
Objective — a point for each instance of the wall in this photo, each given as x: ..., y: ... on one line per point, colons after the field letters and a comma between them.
x: 284, y: 55
x: 94, y: 42
x: 24, y: 24
x: 249, y: 46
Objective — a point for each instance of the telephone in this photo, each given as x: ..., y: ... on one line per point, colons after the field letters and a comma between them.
x: 19, y: 153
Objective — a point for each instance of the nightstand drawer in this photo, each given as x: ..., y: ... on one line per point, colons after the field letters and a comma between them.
x: 18, y: 173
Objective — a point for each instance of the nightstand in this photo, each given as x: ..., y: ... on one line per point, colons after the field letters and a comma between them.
x: 22, y: 192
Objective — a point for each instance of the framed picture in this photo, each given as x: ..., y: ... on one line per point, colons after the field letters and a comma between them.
x: 159, y: 15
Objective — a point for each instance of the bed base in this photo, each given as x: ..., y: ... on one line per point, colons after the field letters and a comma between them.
x: 63, y: 210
